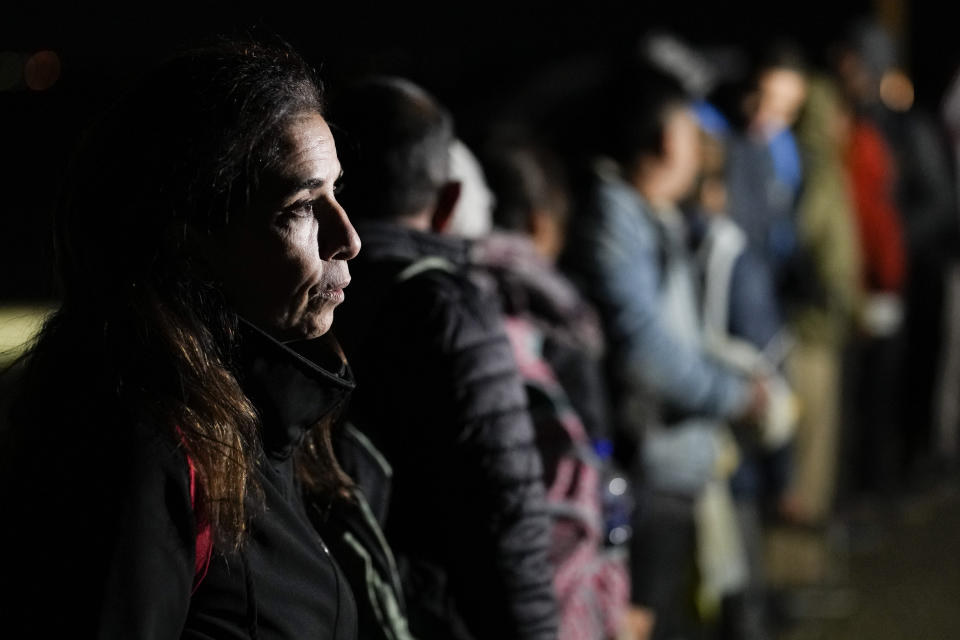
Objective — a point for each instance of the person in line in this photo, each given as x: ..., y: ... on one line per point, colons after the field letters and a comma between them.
x: 741, y: 327
x: 530, y: 225
x: 558, y: 345
x: 168, y: 433
x: 439, y: 391
x: 871, y: 69
x: 765, y: 171
x: 631, y: 258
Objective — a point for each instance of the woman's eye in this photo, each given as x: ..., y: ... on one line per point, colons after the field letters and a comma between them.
x: 303, y: 208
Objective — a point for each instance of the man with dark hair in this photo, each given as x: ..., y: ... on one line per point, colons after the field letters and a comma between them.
x: 439, y: 392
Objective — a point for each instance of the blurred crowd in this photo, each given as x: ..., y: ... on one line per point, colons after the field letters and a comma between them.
x: 636, y: 355
x: 739, y: 270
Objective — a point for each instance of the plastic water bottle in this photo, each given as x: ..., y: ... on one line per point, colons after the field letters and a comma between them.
x: 616, y: 497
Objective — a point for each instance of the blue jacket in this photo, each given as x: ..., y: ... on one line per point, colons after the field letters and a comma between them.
x: 620, y: 253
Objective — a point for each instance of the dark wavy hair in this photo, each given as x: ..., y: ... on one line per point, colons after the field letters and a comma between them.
x: 181, y: 155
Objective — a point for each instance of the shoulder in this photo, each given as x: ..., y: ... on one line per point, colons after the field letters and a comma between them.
x: 617, y: 204
x: 615, y: 223
x: 457, y: 305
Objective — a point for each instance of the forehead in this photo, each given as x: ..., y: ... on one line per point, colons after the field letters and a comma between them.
x: 682, y: 117
x: 306, y: 159
x: 783, y: 80
x: 307, y: 148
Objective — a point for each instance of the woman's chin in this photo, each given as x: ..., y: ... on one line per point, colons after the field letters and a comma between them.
x: 308, y: 328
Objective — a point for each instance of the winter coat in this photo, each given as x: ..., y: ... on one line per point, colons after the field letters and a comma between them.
x: 100, y: 511
x: 624, y: 259
x: 879, y: 223
x: 827, y: 220
x: 573, y: 341
x: 439, y: 395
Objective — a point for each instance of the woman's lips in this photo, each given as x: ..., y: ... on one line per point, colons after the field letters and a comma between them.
x: 334, y: 293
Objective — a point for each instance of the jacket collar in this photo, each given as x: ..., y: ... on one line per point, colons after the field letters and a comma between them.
x: 388, y: 240
x: 293, y: 386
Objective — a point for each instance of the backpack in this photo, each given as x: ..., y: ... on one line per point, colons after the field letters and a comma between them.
x: 590, y: 580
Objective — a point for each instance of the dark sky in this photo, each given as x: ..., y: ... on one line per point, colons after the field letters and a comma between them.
x: 471, y: 55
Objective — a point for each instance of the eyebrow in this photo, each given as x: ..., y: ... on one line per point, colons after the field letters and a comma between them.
x: 312, y: 183
x: 315, y: 183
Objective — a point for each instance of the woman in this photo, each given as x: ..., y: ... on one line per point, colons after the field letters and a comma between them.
x: 164, y: 428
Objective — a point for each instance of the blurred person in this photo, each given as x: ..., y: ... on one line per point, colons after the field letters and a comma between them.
x: 530, y: 220
x: 827, y: 225
x: 877, y: 357
x: 630, y: 257
x: 472, y: 215
x: 767, y: 184
x: 739, y: 302
x: 169, y: 430
x: 871, y: 70
x: 804, y: 576
x: 765, y: 169
x: 743, y: 328
x: 557, y: 342
x: 590, y: 577
x: 439, y: 391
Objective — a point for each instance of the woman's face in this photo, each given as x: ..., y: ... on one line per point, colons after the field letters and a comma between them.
x: 284, y: 264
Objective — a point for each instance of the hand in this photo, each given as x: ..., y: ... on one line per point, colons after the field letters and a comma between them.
x: 637, y: 624
x: 759, y: 401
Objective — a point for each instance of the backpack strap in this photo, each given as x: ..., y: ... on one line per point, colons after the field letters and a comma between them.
x: 203, y: 543
x: 424, y: 264
x: 203, y: 540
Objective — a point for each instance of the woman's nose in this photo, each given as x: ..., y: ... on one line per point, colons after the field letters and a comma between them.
x: 338, y: 239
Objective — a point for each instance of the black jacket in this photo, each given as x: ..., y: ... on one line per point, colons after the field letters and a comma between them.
x: 99, y: 525
x: 438, y: 393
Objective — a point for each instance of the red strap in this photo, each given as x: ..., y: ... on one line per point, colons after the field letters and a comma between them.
x: 204, y: 541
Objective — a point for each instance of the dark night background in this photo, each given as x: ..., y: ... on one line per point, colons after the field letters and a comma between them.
x: 471, y: 55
